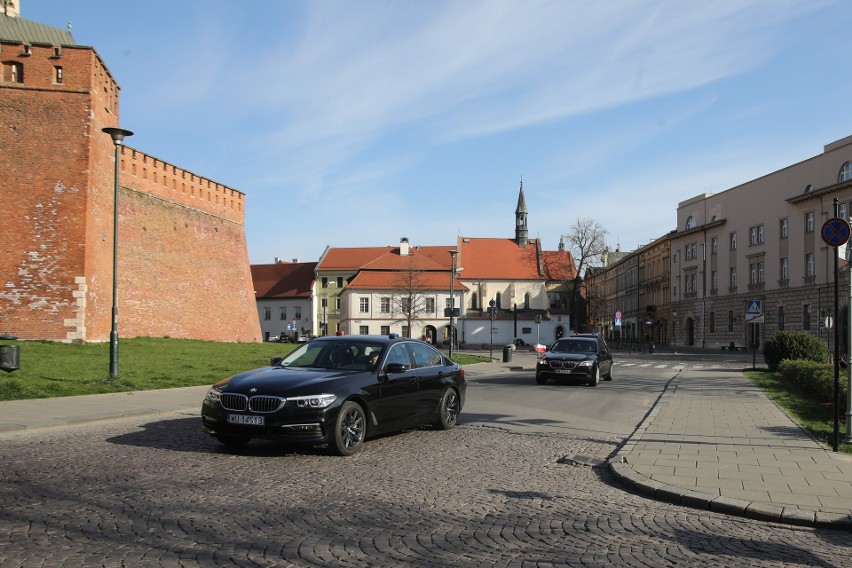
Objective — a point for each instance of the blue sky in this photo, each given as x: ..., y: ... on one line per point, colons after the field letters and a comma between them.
x: 357, y: 123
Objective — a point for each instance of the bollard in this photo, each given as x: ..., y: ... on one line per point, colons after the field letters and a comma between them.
x: 9, y: 355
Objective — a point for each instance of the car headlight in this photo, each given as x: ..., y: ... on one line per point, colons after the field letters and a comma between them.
x: 313, y: 401
x: 585, y: 363
x: 213, y: 395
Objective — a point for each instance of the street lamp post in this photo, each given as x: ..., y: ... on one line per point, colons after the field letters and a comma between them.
x: 117, y: 135
x: 453, y: 254
x: 674, y: 329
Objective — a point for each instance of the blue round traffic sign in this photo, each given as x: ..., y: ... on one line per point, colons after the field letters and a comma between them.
x: 835, y: 232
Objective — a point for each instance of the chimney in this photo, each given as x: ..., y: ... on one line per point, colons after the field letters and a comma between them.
x: 403, y: 246
x: 295, y: 261
x: 11, y: 8
x: 277, y: 260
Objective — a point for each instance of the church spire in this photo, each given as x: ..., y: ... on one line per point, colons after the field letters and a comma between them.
x: 521, y: 233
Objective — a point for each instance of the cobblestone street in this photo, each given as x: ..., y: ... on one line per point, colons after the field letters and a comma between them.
x: 156, y: 492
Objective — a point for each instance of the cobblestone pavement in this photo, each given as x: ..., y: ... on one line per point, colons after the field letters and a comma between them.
x: 155, y: 491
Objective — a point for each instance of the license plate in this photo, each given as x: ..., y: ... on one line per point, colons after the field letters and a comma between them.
x: 562, y: 371
x: 245, y: 419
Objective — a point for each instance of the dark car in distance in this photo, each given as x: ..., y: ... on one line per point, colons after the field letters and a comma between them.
x: 585, y: 358
x: 338, y: 391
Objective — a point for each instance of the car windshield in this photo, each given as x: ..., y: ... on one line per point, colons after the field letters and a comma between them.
x: 346, y: 355
x: 574, y: 346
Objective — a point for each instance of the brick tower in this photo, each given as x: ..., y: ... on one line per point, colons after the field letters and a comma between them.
x: 183, y: 268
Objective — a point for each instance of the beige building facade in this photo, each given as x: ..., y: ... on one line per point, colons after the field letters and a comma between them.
x: 760, y: 244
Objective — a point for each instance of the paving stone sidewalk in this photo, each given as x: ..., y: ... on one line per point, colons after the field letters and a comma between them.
x: 714, y: 440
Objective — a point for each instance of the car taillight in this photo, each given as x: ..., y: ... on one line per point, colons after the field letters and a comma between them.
x: 461, y: 373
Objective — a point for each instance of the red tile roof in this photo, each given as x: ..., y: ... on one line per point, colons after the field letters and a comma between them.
x: 283, y: 280
x: 394, y: 280
x: 385, y: 258
x: 499, y: 259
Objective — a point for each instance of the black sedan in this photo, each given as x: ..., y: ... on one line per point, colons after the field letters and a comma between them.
x: 337, y: 391
x: 583, y: 357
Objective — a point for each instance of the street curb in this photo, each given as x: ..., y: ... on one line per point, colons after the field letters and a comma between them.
x: 619, y: 466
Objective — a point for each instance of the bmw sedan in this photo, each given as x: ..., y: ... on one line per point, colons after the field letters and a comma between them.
x: 580, y: 357
x: 338, y: 391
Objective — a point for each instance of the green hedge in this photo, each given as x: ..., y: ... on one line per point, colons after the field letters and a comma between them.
x: 796, y: 345
x: 815, y: 379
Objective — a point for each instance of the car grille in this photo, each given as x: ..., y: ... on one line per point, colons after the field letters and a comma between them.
x: 557, y: 364
x: 260, y: 404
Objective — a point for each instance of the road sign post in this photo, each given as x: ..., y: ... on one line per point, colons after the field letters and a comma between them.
x: 835, y: 233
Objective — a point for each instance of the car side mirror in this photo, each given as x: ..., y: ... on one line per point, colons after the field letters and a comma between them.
x: 395, y: 368
x: 275, y: 361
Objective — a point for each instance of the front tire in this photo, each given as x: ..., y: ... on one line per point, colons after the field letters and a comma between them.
x: 596, y: 377
x: 350, y: 429
x: 609, y: 374
x: 448, y: 411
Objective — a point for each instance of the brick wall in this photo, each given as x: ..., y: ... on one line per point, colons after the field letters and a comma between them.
x: 183, y: 260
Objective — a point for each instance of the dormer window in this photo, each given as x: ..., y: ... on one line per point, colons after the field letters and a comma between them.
x: 57, y: 51
x: 845, y: 172
x: 690, y: 223
x: 28, y: 50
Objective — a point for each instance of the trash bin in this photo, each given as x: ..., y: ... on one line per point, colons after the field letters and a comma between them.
x: 507, y: 353
x: 9, y: 358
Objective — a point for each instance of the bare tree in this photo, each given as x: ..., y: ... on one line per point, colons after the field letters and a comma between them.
x: 586, y: 241
x: 410, y: 293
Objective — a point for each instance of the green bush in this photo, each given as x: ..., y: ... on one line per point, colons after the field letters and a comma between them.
x: 814, y: 379
x: 795, y: 345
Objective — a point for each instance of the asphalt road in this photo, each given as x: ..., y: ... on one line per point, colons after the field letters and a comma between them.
x: 155, y: 491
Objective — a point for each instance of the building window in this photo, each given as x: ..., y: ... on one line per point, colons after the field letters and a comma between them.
x: 691, y: 280
x: 57, y: 75
x: 755, y: 235
x: 340, y: 281
x: 733, y: 241
x: 324, y: 282
x: 690, y: 223
x: 691, y: 251
x: 430, y: 305
x: 845, y: 172
x: 267, y: 313
x: 714, y: 245
x: 756, y: 273
x: 283, y: 314
x: 298, y: 314
x: 337, y: 302
x: 498, y: 300
x: 384, y: 306
x: 714, y: 280
x: 364, y: 330
x: 784, y: 274
x: 364, y: 305
x: 730, y: 320
x: 712, y: 322
x: 405, y: 305
x: 806, y: 316
x: 780, y: 318
x: 809, y: 222
x: 405, y: 331
x: 385, y: 330
x: 733, y: 278
x: 13, y: 72
x: 782, y: 228
x: 809, y: 264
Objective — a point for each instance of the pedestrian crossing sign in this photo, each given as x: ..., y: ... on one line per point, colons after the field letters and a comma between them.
x: 754, y: 311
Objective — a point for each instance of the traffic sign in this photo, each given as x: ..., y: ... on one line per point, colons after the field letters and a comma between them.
x: 754, y: 307
x: 835, y: 232
x: 618, y: 315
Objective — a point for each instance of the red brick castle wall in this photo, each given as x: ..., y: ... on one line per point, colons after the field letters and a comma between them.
x: 183, y: 261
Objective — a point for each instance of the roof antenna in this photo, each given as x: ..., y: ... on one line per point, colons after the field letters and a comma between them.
x: 69, y: 26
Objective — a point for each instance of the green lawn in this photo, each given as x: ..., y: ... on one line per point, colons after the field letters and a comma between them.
x: 815, y: 417
x: 51, y: 369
